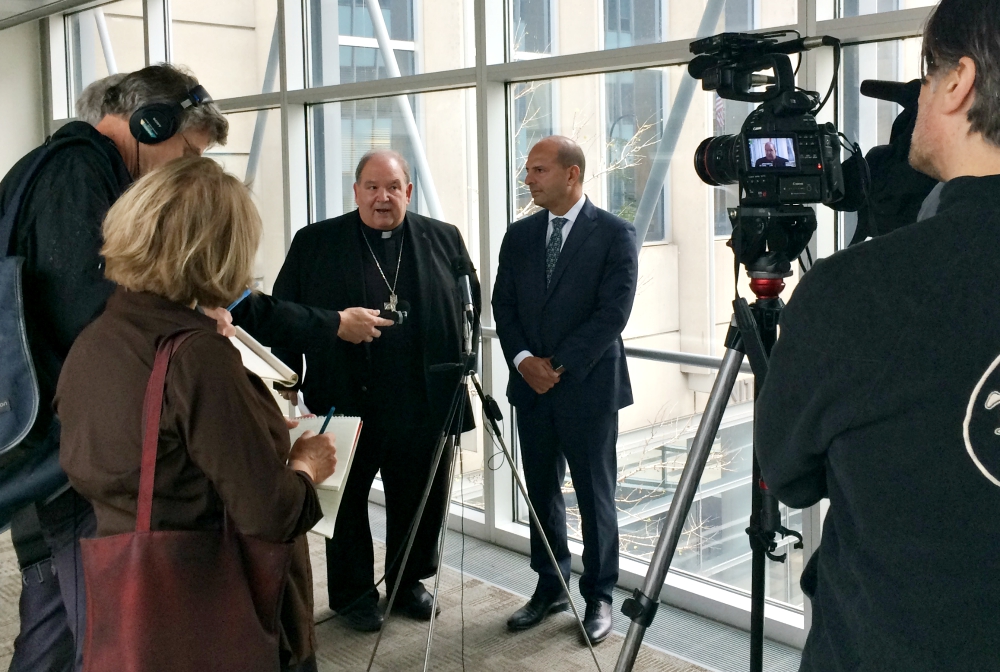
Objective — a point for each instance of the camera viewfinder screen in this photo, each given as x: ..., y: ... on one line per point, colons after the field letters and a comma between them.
x: 770, y: 153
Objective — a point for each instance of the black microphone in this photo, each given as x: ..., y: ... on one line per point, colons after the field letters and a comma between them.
x: 402, y: 310
x: 800, y: 44
x: 699, y: 65
x: 461, y: 268
x: 901, y: 93
x: 397, y: 316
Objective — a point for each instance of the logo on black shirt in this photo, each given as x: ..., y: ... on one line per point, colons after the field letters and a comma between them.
x: 981, y: 428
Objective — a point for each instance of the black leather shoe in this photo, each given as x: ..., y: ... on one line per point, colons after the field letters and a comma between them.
x: 365, y: 616
x: 597, y: 621
x: 416, y: 602
x: 535, y: 611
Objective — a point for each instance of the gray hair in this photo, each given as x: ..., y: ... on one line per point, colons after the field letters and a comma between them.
x: 372, y: 153
x: 91, y: 101
x: 970, y: 28
x: 165, y: 83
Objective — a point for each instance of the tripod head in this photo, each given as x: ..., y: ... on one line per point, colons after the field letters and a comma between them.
x: 767, y: 285
x: 767, y: 240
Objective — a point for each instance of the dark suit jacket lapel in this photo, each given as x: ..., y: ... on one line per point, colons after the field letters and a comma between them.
x: 535, y: 261
x: 349, y: 262
x: 584, y: 225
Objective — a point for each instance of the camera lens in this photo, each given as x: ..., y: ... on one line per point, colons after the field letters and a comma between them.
x: 717, y: 160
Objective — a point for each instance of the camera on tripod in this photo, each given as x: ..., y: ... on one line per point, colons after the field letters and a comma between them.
x: 781, y: 158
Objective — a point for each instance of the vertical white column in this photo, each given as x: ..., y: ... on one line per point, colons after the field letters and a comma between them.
x: 333, y: 165
x: 491, y: 128
x: 156, y: 21
x: 293, y: 120
x: 82, y: 59
x: 58, y: 90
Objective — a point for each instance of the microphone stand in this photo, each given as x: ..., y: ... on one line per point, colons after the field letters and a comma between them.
x: 491, y: 410
x: 456, y: 401
x: 470, y: 358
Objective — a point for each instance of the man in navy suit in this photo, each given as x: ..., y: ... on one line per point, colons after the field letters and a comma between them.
x: 563, y: 295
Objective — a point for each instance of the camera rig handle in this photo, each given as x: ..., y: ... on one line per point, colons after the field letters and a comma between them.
x: 733, y: 82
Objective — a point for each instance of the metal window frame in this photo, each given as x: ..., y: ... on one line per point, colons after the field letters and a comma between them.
x: 489, y: 77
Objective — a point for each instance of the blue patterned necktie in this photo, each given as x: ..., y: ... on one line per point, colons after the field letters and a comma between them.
x: 553, y: 248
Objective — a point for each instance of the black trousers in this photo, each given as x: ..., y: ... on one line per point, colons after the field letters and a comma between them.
x: 550, y: 439
x: 401, y: 443
x: 53, y: 602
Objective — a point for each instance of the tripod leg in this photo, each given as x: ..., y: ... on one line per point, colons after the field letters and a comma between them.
x: 533, y: 516
x: 643, y: 605
x: 437, y: 575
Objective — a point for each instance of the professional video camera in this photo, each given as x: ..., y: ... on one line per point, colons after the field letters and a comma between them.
x: 782, y: 158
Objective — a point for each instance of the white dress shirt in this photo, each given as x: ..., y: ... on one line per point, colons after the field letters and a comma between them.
x: 570, y: 218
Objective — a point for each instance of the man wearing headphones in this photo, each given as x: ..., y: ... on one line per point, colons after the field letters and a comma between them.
x: 149, y: 117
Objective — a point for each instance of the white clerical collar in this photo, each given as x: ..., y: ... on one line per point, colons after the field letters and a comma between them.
x: 572, y: 213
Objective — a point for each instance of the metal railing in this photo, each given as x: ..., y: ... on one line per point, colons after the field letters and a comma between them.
x: 668, y: 356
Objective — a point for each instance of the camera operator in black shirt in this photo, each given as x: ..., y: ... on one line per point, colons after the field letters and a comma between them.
x: 883, y: 395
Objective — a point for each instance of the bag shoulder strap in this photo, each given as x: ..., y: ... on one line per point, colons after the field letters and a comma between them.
x: 45, y: 152
x: 152, y: 405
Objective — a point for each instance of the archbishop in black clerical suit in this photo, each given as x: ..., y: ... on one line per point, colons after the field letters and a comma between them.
x: 575, y: 317
x: 388, y: 382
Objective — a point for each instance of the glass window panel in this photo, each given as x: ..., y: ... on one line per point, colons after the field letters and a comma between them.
x: 829, y: 9
x: 425, y: 36
x: 552, y: 27
x: 532, y: 31
x: 253, y: 154
x: 226, y: 44
x: 618, y: 119
x: 868, y: 121
x: 439, y: 144
x: 683, y: 303
x: 87, y: 59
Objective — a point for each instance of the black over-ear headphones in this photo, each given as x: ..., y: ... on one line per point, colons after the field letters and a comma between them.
x: 154, y: 123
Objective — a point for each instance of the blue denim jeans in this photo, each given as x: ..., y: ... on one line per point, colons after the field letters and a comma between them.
x: 53, y: 602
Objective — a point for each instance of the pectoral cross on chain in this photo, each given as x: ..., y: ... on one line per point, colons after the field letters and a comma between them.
x: 391, y: 303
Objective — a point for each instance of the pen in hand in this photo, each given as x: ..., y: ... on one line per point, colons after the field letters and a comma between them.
x: 327, y: 421
x: 235, y: 303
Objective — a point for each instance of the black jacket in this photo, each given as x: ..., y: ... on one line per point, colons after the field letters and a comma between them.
x: 882, y: 395
x: 324, y: 268
x: 58, y: 232
x: 579, y: 317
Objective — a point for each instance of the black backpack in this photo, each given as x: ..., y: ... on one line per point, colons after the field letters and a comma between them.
x: 27, y: 474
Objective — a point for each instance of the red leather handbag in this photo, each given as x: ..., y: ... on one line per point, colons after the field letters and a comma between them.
x: 178, y: 601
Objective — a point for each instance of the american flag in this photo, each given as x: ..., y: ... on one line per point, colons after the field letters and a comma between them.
x: 720, y: 114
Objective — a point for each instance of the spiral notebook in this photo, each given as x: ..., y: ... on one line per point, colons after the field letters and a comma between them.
x: 347, y: 431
